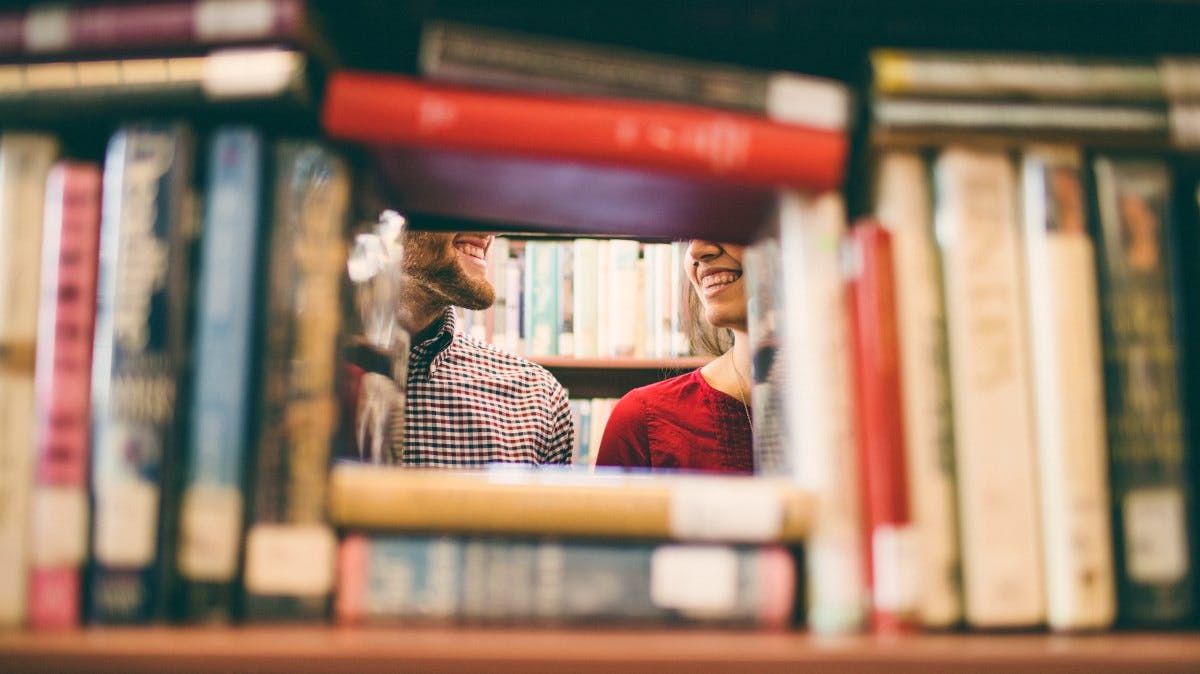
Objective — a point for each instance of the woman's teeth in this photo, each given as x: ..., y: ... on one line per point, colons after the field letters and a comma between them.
x: 720, y: 279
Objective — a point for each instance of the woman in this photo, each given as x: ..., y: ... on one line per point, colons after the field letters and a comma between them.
x: 699, y: 420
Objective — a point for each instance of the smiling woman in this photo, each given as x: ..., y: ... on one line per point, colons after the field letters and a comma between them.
x: 700, y: 420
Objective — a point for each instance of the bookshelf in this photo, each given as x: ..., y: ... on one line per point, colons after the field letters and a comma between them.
x: 824, y: 37
x: 450, y: 649
x: 613, y: 377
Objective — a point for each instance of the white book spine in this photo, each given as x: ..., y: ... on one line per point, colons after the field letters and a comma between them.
x: 25, y: 161
x: 514, y: 296
x: 664, y: 274
x: 977, y: 227
x: 1068, y: 391
x: 904, y: 207
x: 585, y: 296
x: 818, y: 404
x: 678, y: 294
x: 649, y: 288
x: 604, y: 280
x: 624, y: 310
x: 497, y: 272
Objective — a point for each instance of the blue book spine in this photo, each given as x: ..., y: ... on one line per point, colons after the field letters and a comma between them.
x: 211, y: 511
x: 139, y: 361
x: 542, y: 279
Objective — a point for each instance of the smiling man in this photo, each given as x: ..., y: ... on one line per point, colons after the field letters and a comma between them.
x: 469, y: 403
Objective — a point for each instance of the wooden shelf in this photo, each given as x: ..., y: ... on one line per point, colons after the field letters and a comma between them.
x: 613, y: 377
x: 442, y: 649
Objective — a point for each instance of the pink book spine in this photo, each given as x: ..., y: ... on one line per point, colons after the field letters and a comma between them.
x: 63, y: 384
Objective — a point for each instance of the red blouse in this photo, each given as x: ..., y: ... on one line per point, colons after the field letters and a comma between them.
x: 680, y: 423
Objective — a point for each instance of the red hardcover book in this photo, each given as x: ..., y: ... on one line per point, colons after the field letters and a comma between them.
x: 47, y: 29
x: 685, y: 140
x: 62, y: 380
x: 890, y: 538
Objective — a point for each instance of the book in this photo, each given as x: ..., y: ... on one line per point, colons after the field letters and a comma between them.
x: 25, y: 161
x: 624, y: 313
x: 891, y: 543
x: 994, y: 435
x: 62, y: 382
x: 544, y: 502
x: 1014, y: 75
x: 818, y: 406
x: 566, y: 298
x: 509, y: 193
x: 464, y: 579
x: 1147, y: 441
x: 50, y: 28
x: 212, y: 504
x: 542, y: 280
x: 904, y: 206
x: 139, y: 368
x: 901, y: 120
x: 286, y: 504
x: 586, y: 295
x: 487, y: 56
x: 1064, y: 338
x: 683, y: 140
x: 248, y: 81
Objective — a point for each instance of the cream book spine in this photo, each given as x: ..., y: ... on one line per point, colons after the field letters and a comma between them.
x: 978, y: 229
x: 818, y: 405
x: 25, y: 161
x: 903, y: 204
x: 1064, y: 339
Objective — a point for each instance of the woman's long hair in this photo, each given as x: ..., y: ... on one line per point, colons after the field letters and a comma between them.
x: 703, y: 338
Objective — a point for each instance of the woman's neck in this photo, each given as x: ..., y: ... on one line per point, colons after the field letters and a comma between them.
x: 729, y: 373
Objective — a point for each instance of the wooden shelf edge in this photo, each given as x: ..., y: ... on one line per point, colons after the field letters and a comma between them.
x: 446, y: 649
x: 668, y: 364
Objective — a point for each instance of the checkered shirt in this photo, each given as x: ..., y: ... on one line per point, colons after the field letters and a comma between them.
x: 471, y: 404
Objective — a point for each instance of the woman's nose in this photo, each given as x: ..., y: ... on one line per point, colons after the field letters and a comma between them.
x: 698, y: 249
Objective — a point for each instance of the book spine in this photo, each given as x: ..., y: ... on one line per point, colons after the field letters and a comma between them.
x: 903, y: 204
x: 48, y: 28
x: 498, y: 273
x: 890, y: 534
x: 585, y: 297
x: 604, y: 286
x: 25, y: 161
x: 47, y: 91
x: 680, y: 287
x: 502, y: 59
x: 138, y: 369
x: 1147, y: 440
x: 541, y: 297
x: 1036, y: 76
x: 764, y: 318
x: 687, y: 141
x: 819, y: 408
x: 649, y: 296
x: 211, y: 512
x: 622, y: 289
x: 995, y: 454
x: 566, y: 298
x: 1145, y: 123
x: 1068, y: 392
x: 66, y: 321
x: 548, y: 582
x: 297, y: 407
x: 514, y: 284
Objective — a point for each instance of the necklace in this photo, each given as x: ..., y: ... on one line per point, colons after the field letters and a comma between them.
x: 742, y: 388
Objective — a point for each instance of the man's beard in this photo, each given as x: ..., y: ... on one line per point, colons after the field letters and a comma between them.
x: 431, y: 261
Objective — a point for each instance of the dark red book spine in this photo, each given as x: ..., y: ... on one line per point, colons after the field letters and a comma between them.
x: 872, y: 298
x: 53, y: 28
x: 66, y: 321
x: 685, y: 140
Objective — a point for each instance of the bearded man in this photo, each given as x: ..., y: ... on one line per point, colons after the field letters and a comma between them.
x: 469, y: 403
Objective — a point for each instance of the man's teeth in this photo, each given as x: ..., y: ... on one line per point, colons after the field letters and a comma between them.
x: 720, y: 278
x: 473, y: 251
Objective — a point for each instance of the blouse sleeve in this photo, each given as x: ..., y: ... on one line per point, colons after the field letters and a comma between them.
x: 625, y: 441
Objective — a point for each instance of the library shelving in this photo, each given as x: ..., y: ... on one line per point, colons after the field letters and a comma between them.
x: 613, y: 377
x: 465, y: 649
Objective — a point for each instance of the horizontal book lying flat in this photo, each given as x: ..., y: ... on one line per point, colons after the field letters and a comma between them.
x: 527, y: 195
x: 546, y: 502
x: 452, y: 578
x: 386, y: 109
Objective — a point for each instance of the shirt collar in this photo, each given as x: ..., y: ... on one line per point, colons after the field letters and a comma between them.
x: 429, y: 349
